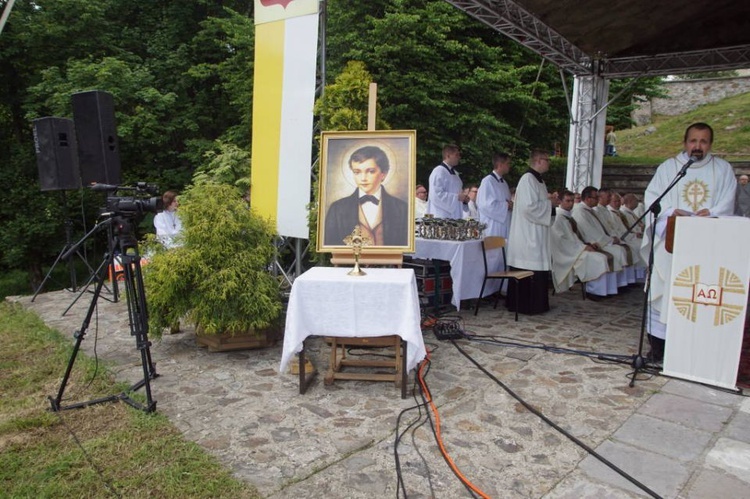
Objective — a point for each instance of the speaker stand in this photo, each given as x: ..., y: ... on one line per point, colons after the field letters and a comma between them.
x: 69, y: 259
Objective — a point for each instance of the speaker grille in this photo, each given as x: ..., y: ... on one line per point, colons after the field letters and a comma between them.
x: 56, y: 154
x: 96, y: 129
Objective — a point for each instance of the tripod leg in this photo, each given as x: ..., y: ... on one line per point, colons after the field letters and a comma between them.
x: 137, y: 311
x: 49, y: 273
x: 79, y: 335
x: 98, y: 276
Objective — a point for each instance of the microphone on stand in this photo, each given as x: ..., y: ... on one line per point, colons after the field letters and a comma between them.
x: 685, y: 167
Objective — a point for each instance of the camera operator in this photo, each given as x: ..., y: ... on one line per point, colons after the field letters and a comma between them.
x: 167, y: 223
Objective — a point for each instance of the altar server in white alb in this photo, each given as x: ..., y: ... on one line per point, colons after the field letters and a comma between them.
x: 528, y: 241
x: 707, y: 190
x: 446, y: 188
x: 494, y: 200
x: 573, y: 258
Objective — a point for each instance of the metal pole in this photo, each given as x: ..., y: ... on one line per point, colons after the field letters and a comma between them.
x: 6, y: 14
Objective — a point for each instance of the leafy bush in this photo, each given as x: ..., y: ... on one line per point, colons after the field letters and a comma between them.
x: 219, y: 279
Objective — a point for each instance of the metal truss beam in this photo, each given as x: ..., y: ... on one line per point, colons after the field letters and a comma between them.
x: 520, y: 25
x: 586, y: 146
x: 720, y: 59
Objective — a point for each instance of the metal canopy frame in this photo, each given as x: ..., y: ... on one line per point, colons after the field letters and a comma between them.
x: 518, y: 21
x: 514, y: 20
x: 520, y: 25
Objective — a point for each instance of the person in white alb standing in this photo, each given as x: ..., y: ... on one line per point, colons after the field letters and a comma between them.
x: 446, y: 187
x: 167, y: 223
x: 528, y: 240
x: 493, y: 200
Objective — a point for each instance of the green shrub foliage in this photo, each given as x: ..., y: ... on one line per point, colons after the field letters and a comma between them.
x: 219, y: 279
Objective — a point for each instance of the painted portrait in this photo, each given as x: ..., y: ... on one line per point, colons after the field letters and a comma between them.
x: 367, y: 179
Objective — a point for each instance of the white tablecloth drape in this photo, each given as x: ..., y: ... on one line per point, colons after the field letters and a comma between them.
x: 325, y: 301
x: 467, y: 270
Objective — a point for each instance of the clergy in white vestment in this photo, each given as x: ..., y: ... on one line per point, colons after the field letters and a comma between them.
x: 420, y: 202
x: 707, y: 190
x: 446, y: 188
x: 602, y: 211
x: 493, y: 198
x: 528, y: 241
x: 593, y: 231
x: 572, y: 258
x: 639, y: 209
x: 633, y: 239
x: 629, y: 204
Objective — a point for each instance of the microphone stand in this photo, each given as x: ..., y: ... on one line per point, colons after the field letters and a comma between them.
x: 638, y: 362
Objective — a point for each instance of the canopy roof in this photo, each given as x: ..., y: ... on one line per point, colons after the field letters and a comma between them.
x: 625, y: 38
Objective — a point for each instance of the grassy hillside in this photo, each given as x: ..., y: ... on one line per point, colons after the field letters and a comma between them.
x: 730, y: 119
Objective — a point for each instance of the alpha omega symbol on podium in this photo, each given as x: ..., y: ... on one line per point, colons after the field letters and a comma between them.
x: 726, y: 295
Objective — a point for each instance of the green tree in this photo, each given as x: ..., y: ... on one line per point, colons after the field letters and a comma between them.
x: 621, y: 109
x: 344, y: 104
x: 450, y: 78
x: 179, y: 75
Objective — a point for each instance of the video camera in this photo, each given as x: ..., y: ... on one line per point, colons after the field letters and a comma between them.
x: 145, y: 199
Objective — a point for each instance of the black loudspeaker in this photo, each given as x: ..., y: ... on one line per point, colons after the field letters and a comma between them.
x: 56, y: 154
x: 98, y: 150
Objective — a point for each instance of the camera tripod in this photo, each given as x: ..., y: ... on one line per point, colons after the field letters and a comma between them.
x: 123, y: 239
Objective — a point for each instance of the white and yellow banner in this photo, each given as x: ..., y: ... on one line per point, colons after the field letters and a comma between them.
x: 283, y: 99
x: 275, y: 10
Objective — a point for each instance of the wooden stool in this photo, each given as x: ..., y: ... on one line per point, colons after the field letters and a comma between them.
x: 339, y: 360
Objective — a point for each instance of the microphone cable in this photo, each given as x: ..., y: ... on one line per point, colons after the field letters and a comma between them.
x: 557, y: 427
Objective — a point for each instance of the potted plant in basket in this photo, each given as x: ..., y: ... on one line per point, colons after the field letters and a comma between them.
x: 218, y: 279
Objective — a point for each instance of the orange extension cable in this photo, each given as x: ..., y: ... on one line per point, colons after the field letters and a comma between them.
x: 438, y: 435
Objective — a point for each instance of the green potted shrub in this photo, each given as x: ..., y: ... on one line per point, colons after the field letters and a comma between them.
x: 218, y: 279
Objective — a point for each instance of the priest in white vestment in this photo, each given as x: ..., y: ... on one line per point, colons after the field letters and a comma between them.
x: 629, y: 204
x: 446, y: 188
x: 612, y: 228
x: 707, y: 190
x: 493, y: 198
x: 633, y: 239
x: 572, y: 258
x: 593, y: 231
x: 528, y: 241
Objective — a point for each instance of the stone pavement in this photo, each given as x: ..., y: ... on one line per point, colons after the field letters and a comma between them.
x: 677, y: 438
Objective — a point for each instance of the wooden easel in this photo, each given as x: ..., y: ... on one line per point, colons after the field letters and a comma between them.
x: 369, y: 257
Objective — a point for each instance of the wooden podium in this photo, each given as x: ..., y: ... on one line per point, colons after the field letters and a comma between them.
x: 708, y: 299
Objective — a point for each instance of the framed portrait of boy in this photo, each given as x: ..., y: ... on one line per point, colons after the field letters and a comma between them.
x: 367, y: 179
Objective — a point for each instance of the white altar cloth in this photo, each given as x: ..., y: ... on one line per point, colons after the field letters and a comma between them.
x: 467, y: 270
x: 325, y: 301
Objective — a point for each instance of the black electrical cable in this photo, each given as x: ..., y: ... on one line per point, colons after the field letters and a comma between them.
x: 108, y: 484
x: 556, y: 426
x: 400, y: 486
x: 542, y: 346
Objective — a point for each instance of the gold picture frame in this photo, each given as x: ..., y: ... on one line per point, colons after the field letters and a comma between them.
x: 351, y: 164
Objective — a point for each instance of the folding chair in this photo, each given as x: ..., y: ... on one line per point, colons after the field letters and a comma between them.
x: 496, y: 242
